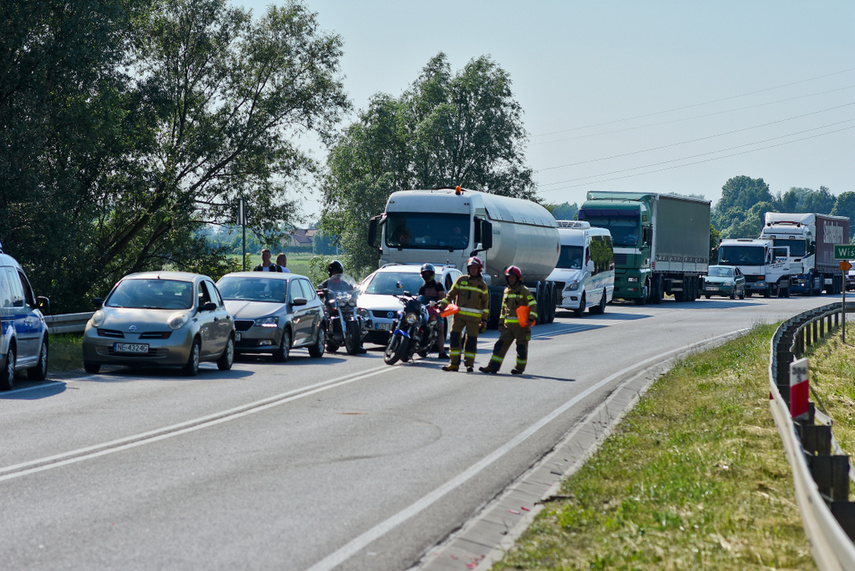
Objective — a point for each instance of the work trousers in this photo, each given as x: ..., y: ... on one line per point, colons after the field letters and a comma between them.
x: 512, y: 332
x: 472, y: 329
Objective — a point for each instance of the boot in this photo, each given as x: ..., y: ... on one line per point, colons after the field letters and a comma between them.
x: 489, y: 370
x: 450, y: 368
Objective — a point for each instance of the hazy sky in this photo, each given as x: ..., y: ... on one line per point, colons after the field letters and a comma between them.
x: 661, y: 96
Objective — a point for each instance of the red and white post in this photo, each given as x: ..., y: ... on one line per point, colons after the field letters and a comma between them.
x: 799, y: 388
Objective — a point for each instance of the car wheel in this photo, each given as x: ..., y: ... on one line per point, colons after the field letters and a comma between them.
x: 284, y: 351
x: 317, y: 350
x: 191, y: 369
x: 7, y: 374
x: 581, y: 309
x: 601, y: 307
x: 39, y: 372
x: 733, y: 294
x: 224, y: 363
x: 91, y: 368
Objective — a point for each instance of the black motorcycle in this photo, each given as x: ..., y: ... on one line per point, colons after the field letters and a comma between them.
x: 343, y: 322
x: 413, y: 331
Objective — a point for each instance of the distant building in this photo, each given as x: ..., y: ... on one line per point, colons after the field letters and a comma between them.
x: 301, y: 237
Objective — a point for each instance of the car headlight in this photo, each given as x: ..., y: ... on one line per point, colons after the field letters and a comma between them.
x: 97, y: 319
x: 267, y: 322
x: 572, y: 285
x: 411, y: 319
x: 177, y: 320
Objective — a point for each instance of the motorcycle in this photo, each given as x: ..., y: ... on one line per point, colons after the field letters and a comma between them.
x: 414, y: 329
x: 343, y: 322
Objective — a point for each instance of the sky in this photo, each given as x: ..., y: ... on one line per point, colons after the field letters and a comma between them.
x: 653, y: 95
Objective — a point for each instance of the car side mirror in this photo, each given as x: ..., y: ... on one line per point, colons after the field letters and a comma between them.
x: 299, y: 301
x: 98, y: 302
x: 43, y: 304
x: 209, y: 306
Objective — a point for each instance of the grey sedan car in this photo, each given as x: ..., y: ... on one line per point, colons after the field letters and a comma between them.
x: 160, y: 319
x: 274, y: 313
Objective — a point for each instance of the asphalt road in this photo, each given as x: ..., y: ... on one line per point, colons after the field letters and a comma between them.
x: 341, y: 462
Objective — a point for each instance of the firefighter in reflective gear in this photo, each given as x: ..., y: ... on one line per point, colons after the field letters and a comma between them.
x: 472, y: 296
x: 510, y: 329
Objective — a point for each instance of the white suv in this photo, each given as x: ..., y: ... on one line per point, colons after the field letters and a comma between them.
x: 23, y: 332
x: 377, y: 300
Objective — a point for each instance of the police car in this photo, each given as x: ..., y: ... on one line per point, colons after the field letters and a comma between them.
x: 23, y: 331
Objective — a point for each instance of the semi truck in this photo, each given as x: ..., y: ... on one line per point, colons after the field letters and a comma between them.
x: 811, y: 237
x: 766, y: 267
x: 661, y: 242
x: 446, y: 226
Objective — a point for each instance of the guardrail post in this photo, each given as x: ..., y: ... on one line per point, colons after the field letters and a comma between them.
x: 831, y: 474
x: 816, y: 438
x: 821, y: 327
x: 844, y: 513
x: 800, y: 343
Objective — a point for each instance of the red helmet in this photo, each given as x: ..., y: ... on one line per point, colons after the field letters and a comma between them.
x: 475, y: 261
x: 513, y: 271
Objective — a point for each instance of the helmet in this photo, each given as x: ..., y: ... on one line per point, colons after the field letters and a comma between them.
x: 475, y: 261
x: 428, y: 272
x: 335, y: 267
x: 513, y: 271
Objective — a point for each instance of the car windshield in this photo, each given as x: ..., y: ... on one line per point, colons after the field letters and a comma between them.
x: 720, y: 272
x: 426, y: 230
x: 570, y: 258
x: 386, y: 283
x: 152, y: 294
x: 254, y: 289
x: 741, y: 255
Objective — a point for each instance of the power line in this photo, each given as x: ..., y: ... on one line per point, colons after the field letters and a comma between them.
x: 695, y: 156
x: 697, y: 140
x: 694, y: 105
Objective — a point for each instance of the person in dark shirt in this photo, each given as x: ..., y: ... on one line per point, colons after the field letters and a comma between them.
x: 434, y: 291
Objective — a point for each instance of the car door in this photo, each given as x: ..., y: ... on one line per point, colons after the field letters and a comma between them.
x: 223, y: 318
x: 300, y: 316
x: 210, y: 328
x: 26, y: 324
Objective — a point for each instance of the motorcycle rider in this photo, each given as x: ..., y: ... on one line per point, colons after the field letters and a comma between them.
x: 434, y: 291
x: 472, y: 296
x: 510, y: 329
x: 336, y: 282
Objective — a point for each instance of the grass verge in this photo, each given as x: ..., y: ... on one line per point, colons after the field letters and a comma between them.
x: 66, y: 352
x: 694, y: 477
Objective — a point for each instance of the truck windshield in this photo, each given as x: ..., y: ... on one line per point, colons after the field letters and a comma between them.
x: 570, y: 258
x: 420, y: 230
x: 797, y: 247
x: 741, y: 255
x: 624, y: 229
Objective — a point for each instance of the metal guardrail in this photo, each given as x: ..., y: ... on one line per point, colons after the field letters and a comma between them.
x: 821, y: 470
x: 68, y: 323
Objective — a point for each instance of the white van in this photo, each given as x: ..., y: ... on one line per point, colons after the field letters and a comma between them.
x: 585, y: 272
x: 23, y: 332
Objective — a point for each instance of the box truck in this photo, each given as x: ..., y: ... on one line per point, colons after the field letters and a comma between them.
x: 661, y: 242
x: 811, y: 237
x: 448, y: 225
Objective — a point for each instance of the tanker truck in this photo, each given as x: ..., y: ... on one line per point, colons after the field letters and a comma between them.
x: 446, y: 226
x: 811, y: 237
x: 661, y: 242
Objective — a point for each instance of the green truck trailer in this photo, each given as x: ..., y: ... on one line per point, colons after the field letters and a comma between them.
x: 661, y: 242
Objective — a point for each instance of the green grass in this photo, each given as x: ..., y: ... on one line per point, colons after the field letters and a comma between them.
x: 694, y: 477
x: 66, y: 352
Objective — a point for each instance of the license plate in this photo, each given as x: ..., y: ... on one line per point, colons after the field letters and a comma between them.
x: 712, y: 288
x: 383, y: 327
x: 130, y: 347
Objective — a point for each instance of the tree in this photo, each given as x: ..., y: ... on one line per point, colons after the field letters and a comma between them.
x: 819, y: 201
x: 845, y: 206
x: 446, y: 130
x: 209, y: 113
x: 738, y: 195
x: 564, y: 211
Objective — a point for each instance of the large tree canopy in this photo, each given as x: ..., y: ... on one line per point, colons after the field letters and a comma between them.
x: 446, y: 130
x: 183, y: 107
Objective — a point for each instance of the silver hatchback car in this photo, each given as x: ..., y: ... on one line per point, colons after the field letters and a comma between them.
x: 160, y: 319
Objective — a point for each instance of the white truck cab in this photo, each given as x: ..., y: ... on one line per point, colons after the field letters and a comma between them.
x: 585, y: 272
x: 766, y: 267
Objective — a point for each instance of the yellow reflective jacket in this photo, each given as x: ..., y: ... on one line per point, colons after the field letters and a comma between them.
x: 471, y: 296
x: 515, y: 296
